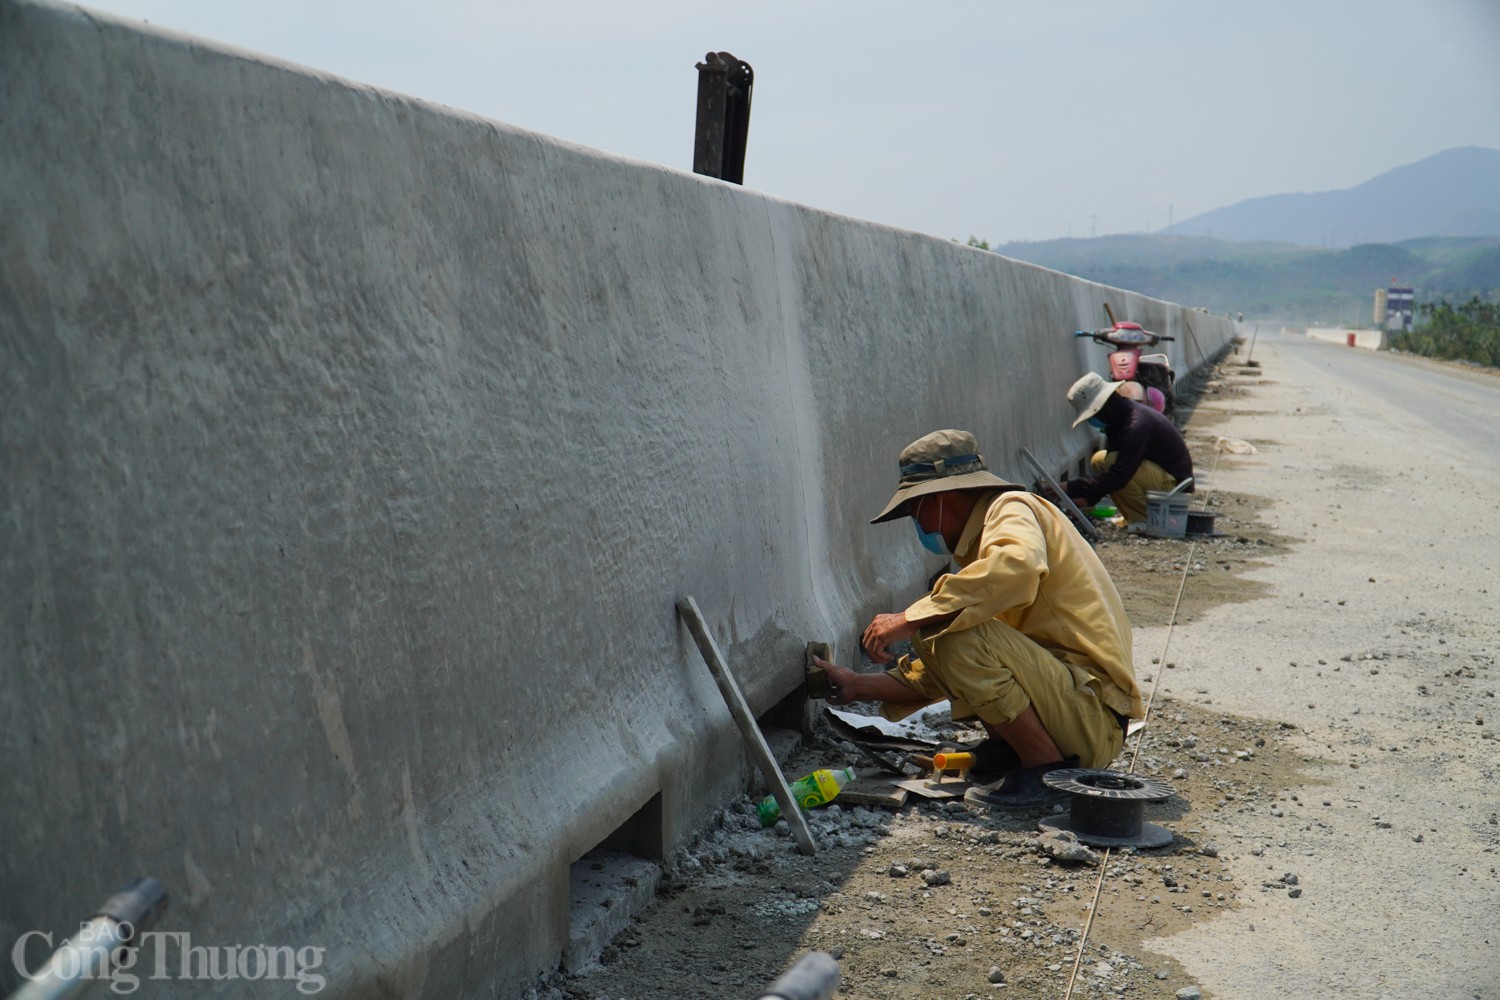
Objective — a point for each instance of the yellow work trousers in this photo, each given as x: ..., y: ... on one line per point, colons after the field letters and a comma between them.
x: 1130, y: 499
x: 995, y: 672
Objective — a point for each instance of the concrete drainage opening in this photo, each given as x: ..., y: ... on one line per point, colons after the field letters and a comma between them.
x: 612, y: 883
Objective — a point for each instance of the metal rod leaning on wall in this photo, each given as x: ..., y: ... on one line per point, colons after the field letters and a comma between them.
x: 1193, y: 339
x: 1061, y: 499
x: 87, y: 958
x: 814, y: 976
x: 693, y: 619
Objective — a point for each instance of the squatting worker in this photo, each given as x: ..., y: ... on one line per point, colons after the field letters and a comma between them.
x: 1028, y: 636
x: 1143, y: 450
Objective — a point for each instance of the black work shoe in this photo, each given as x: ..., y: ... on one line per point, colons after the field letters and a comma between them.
x: 993, y: 758
x: 1022, y: 788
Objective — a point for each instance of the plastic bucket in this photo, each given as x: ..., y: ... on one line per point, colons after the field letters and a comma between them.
x: 1200, y: 522
x: 1166, y: 514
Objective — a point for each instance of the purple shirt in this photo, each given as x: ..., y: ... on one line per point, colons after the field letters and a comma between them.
x: 1136, y: 433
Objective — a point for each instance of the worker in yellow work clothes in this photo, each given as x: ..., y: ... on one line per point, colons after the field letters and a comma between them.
x: 1028, y: 637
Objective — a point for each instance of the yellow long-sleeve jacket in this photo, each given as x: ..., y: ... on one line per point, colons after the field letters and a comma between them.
x: 1021, y: 562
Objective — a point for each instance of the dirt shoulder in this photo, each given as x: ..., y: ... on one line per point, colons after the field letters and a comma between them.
x: 939, y: 900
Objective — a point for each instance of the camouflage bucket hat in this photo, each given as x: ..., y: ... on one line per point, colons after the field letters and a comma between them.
x: 941, y: 461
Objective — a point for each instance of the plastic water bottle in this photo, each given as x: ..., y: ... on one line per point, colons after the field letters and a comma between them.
x: 816, y: 789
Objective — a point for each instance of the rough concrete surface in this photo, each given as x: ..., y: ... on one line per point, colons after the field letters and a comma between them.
x: 1323, y: 708
x: 354, y: 453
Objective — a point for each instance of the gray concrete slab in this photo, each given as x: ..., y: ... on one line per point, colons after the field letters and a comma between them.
x: 605, y: 889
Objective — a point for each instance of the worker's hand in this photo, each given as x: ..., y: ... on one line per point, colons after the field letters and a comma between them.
x: 843, y: 682
x: 882, y: 632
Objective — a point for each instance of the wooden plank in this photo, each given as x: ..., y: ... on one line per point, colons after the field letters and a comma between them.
x: 880, y: 792
x: 687, y: 608
x: 948, y: 788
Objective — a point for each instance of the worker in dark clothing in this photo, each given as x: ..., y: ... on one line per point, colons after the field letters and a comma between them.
x: 1143, y: 450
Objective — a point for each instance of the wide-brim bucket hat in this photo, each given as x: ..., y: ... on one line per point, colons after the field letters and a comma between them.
x: 1089, y: 394
x: 938, y: 462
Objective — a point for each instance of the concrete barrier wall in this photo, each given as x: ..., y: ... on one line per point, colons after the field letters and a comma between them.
x: 1371, y: 340
x: 353, y: 453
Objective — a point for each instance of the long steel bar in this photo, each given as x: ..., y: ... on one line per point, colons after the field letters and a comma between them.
x: 693, y: 618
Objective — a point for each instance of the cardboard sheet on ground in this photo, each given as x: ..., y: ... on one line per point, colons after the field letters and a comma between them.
x: 871, y: 732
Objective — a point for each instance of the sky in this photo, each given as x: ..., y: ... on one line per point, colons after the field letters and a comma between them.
x: 1004, y: 120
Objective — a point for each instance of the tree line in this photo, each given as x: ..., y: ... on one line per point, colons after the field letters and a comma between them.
x: 1467, y: 332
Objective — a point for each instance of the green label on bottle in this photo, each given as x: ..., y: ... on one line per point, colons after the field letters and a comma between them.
x: 809, y: 792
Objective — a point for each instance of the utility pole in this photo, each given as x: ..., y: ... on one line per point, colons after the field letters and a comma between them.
x: 1093, y: 228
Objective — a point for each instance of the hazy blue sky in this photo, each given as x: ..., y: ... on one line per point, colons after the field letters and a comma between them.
x: 1005, y: 120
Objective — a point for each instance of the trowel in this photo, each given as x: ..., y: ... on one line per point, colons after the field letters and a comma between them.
x: 818, y: 685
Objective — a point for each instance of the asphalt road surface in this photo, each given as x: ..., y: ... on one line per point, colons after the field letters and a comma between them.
x: 1454, y: 402
x: 1378, y: 642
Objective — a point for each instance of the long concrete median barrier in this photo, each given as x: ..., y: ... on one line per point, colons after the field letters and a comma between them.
x: 354, y: 453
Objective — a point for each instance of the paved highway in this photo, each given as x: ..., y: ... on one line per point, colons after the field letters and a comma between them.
x: 1377, y: 644
x: 1456, y: 403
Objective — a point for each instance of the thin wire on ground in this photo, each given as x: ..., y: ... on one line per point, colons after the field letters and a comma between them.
x: 1161, y: 664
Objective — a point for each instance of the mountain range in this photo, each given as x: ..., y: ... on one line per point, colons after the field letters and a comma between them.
x: 1433, y: 226
x: 1452, y: 193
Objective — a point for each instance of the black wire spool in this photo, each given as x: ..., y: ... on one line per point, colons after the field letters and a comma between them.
x: 1108, y: 808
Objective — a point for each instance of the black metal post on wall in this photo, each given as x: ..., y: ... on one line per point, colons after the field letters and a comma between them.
x: 724, y: 87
